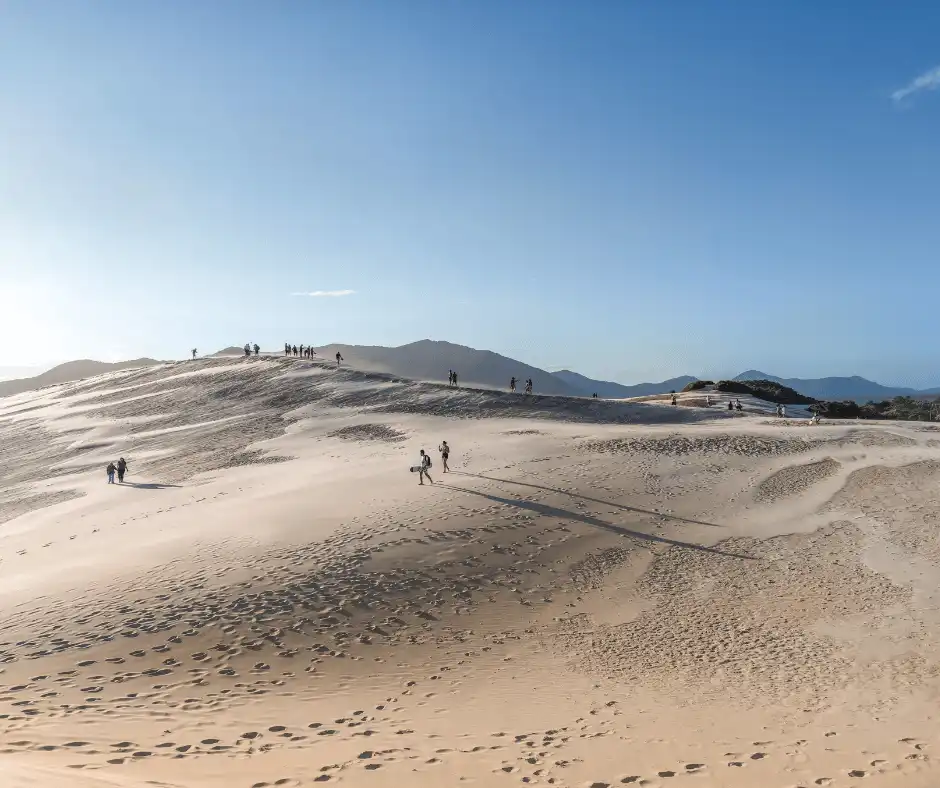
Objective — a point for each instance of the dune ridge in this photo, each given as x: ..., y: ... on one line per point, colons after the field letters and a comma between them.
x: 600, y: 593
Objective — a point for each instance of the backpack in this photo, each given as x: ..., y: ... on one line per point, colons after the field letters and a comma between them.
x: 429, y: 460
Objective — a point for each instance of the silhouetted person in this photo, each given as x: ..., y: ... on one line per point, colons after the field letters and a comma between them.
x: 295, y: 349
x: 257, y: 348
x: 286, y: 349
x: 110, y: 470
x: 450, y: 377
x: 121, y: 469
x: 730, y: 405
x: 423, y: 468
x: 247, y: 349
x: 455, y: 380
x: 194, y: 353
x: 301, y: 349
x: 444, y: 449
x: 339, y: 360
x: 512, y: 384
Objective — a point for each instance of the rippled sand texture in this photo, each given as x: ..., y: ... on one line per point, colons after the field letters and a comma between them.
x: 599, y: 594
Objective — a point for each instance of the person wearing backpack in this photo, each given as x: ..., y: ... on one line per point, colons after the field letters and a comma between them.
x: 425, y: 467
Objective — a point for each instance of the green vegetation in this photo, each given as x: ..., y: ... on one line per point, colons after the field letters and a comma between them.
x: 899, y: 408
x: 767, y: 390
x: 695, y: 385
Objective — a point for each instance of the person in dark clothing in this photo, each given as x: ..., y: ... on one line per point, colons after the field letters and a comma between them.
x: 257, y: 348
x: 424, y: 467
x: 512, y: 384
x: 339, y: 358
x: 110, y: 470
x: 194, y: 353
x: 121, y: 469
x: 455, y: 380
x: 247, y: 349
x: 730, y: 405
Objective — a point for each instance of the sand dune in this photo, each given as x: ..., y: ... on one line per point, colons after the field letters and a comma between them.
x: 600, y: 593
x: 71, y: 370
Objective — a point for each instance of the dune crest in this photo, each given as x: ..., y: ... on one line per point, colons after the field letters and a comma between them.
x: 600, y: 593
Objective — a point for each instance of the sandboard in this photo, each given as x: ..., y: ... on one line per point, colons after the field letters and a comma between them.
x: 415, y: 468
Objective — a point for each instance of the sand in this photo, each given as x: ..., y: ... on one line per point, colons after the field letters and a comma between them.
x: 598, y: 594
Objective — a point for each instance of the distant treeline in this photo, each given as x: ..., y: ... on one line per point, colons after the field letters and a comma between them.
x: 898, y: 408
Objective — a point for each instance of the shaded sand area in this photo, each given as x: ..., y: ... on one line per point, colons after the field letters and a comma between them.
x: 599, y: 594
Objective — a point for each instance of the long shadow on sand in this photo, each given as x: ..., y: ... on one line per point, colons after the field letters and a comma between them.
x: 587, y: 498
x: 554, y: 511
x: 148, y: 485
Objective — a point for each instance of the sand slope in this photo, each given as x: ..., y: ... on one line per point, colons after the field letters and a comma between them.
x: 71, y: 370
x: 598, y: 594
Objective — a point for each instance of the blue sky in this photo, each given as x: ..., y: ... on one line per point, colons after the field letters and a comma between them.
x: 635, y: 190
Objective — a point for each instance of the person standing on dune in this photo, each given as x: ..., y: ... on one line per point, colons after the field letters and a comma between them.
x: 423, y: 468
x: 512, y: 385
x: 339, y: 358
x: 444, y: 449
x: 121, y: 469
x: 194, y: 353
x: 257, y: 348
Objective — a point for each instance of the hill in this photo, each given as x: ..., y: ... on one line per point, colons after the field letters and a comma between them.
x: 853, y: 388
x: 430, y: 360
x: 610, y: 390
x: 67, y: 372
x: 767, y: 390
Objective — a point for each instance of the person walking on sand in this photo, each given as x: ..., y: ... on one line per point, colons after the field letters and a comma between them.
x: 423, y: 468
x: 257, y: 348
x: 444, y: 449
x: 455, y: 380
x: 339, y: 358
x: 194, y: 354
x: 450, y: 377
x: 121, y: 469
x: 512, y: 385
x: 111, y: 469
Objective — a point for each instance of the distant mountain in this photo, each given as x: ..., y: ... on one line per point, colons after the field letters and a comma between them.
x: 852, y: 388
x: 71, y: 370
x: 608, y: 389
x: 431, y: 360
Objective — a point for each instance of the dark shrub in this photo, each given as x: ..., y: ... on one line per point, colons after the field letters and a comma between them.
x: 768, y: 390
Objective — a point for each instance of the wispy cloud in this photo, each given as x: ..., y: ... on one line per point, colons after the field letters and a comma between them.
x: 929, y: 80
x: 326, y: 293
